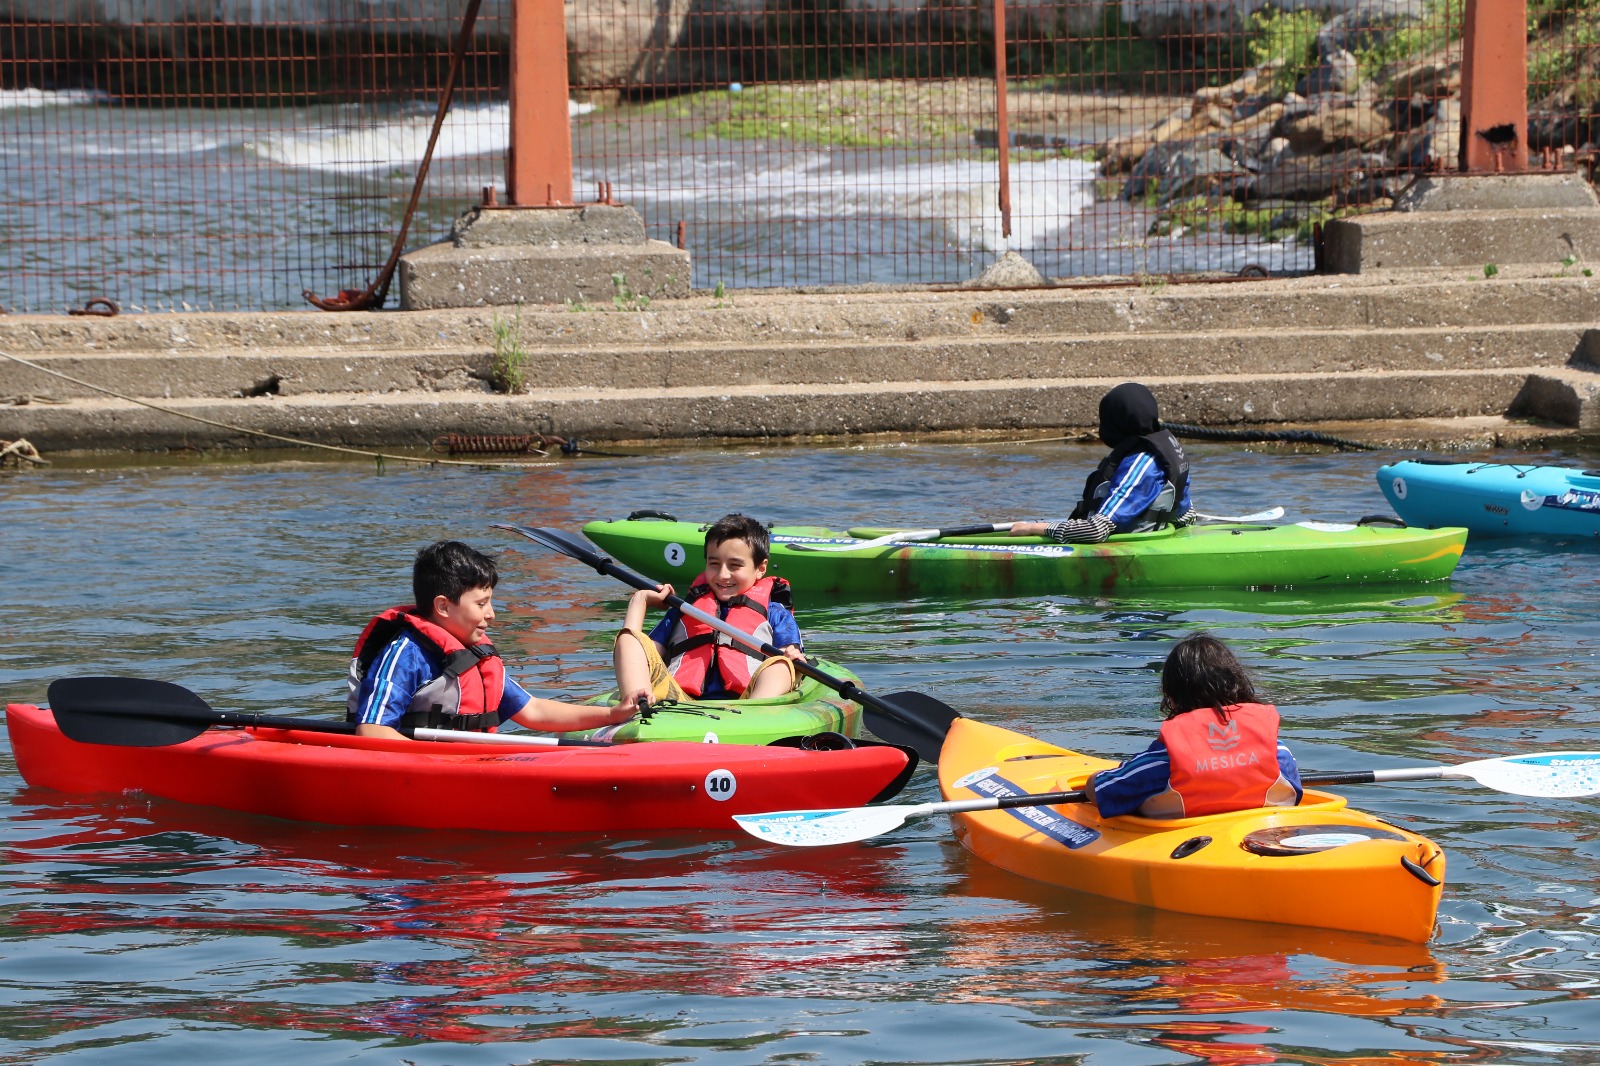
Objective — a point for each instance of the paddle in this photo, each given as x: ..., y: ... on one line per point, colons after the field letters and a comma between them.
x: 915, y: 536
x: 139, y: 713
x: 909, y: 719
x: 1547, y: 775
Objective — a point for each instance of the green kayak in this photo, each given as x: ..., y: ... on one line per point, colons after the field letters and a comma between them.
x: 810, y: 709
x: 820, y: 561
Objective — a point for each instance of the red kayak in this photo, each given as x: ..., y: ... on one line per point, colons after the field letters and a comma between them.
x: 347, y: 780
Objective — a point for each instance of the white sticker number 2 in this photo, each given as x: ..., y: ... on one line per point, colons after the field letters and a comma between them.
x: 675, y: 554
x: 721, y: 785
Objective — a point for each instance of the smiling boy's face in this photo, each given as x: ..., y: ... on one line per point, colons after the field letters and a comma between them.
x: 468, y: 618
x: 731, y: 568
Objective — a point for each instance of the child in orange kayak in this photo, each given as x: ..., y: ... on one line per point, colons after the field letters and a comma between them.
x: 686, y: 659
x: 432, y: 665
x: 1218, y: 749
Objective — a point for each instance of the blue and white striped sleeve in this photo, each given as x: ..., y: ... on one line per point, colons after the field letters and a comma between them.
x: 390, y: 682
x: 1139, y: 481
x: 1121, y: 789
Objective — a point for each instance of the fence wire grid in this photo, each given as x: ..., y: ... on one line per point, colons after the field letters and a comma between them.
x: 166, y: 158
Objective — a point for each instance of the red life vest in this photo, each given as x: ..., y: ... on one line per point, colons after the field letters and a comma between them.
x: 1220, y: 766
x: 465, y: 696
x: 693, y: 646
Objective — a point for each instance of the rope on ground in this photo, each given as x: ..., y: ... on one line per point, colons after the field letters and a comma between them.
x: 1296, y: 436
x: 1293, y: 436
x: 379, y: 456
x: 18, y: 451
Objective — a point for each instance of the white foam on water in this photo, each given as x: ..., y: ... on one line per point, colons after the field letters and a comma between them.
x: 393, y: 144
x: 397, y: 143
x: 15, y: 98
x: 820, y: 187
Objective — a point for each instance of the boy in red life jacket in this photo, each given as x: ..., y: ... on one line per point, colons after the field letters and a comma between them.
x: 1218, y: 749
x: 433, y: 666
x: 686, y: 659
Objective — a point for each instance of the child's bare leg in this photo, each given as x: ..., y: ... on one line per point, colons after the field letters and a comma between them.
x: 775, y: 677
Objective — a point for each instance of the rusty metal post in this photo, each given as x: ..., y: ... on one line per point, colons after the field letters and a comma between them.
x: 1494, y: 87
x: 1002, y: 133
x: 539, y: 158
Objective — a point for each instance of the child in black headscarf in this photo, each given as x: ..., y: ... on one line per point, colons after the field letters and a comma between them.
x: 1143, y: 484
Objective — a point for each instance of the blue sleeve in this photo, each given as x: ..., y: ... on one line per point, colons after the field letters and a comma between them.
x: 663, y: 629
x: 512, y: 699
x: 1291, y: 772
x: 1139, y: 481
x: 391, y: 681
x: 1121, y: 789
x: 785, y: 630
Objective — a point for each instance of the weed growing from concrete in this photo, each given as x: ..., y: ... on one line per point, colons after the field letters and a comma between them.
x: 623, y: 298
x: 1490, y: 270
x: 508, y: 370
x: 1567, y: 263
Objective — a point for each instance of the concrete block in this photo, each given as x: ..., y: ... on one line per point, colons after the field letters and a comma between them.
x: 488, y: 227
x: 1471, y: 239
x: 1568, y: 397
x: 443, y: 275
x: 1497, y: 192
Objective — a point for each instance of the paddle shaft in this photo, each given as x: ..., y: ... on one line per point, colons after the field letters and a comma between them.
x: 564, y: 544
x: 246, y: 720
x: 1330, y: 777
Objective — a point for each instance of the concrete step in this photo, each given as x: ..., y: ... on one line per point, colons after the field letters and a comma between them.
x: 1397, y: 300
x: 399, y: 420
x: 704, y: 366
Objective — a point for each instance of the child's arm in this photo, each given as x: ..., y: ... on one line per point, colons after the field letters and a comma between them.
x: 554, y: 716
x: 642, y: 601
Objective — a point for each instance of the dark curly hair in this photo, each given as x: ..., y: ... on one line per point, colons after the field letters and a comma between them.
x: 1200, y: 671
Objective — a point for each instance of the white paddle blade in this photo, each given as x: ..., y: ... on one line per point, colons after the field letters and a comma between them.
x: 1547, y: 775
x: 906, y: 535
x: 810, y: 829
x: 1271, y: 514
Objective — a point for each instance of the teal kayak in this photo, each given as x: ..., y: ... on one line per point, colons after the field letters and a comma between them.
x: 1495, y: 500
x: 810, y: 709
x: 820, y: 561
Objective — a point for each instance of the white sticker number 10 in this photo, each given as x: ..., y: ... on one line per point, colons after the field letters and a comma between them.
x: 721, y: 785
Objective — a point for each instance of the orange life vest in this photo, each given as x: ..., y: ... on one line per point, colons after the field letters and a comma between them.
x: 1220, y: 765
x: 465, y: 696
x: 694, y: 646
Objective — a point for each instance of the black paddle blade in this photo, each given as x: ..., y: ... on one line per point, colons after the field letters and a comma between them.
x: 131, y: 711
x: 558, y: 540
x: 913, y: 720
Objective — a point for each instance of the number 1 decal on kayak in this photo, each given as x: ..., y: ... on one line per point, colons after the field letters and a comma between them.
x: 988, y: 782
x: 721, y: 785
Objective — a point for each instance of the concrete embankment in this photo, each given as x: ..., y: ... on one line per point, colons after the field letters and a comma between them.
x: 1463, y: 359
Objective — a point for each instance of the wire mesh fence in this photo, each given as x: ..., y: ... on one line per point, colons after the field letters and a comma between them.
x: 169, y: 154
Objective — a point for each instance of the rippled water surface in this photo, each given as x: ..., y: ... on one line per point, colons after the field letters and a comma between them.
x: 141, y: 930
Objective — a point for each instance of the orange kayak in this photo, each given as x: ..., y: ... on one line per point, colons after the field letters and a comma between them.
x: 1319, y: 864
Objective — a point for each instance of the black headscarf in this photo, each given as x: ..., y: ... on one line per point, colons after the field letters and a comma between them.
x: 1129, y: 410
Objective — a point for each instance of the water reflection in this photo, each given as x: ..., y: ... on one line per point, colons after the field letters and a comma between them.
x: 151, y: 931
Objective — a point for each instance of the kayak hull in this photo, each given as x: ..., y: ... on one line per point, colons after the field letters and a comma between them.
x: 1220, y: 555
x: 1255, y: 865
x: 811, y: 709
x: 347, y: 780
x: 1493, y: 500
